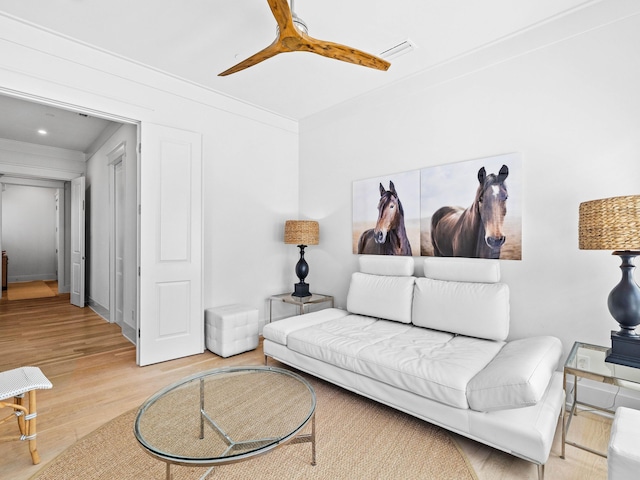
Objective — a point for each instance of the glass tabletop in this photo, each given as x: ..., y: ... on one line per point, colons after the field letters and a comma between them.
x: 589, y: 360
x: 225, y: 415
x: 313, y: 298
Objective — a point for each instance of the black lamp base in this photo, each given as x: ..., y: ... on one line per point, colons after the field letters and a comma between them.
x: 301, y: 290
x: 625, y: 350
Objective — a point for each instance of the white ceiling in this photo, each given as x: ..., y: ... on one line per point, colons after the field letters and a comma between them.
x: 21, y: 121
x: 198, y: 39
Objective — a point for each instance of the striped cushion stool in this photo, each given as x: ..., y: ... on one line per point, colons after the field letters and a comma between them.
x: 15, y: 383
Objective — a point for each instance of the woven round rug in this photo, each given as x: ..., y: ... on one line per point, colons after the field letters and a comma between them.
x: 357, y: 438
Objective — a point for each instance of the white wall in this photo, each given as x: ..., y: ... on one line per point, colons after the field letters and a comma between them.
x: 570, y: 107
x: 249, y: 192
x: 98, y: 218
x: 97, y: 232
x: 28, y: 232
x: 250, y: 156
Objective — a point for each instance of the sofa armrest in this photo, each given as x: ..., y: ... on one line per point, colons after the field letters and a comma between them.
x: 517, y: 377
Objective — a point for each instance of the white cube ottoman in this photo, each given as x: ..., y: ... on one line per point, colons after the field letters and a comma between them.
x: 623, y: 460
x: 231, y: 329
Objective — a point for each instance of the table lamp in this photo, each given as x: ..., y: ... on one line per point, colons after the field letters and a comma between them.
x: 614, y: 224
x: 301, y: 233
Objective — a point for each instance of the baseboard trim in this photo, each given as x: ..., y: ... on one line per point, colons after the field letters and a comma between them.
x: 99, y: 309
x: 31, y: 278
x: 128, y: 332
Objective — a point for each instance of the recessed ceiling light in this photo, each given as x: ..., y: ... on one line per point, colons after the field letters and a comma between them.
x: 42, y: 131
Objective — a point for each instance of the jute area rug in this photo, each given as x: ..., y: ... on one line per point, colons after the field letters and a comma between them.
x: 357, y: 438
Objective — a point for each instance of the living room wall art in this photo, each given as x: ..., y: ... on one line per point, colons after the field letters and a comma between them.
x: 473, y: 209
x: 466, y: 209
x: 386, y: 215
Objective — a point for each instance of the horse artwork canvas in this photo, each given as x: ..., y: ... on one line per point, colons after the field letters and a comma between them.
x: 390, y: 234
x: 482, y: 229
x: 477, y: 230
x: 389, y: 237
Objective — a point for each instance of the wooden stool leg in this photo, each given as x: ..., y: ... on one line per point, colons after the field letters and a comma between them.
x: 31, y: 428
x: 21, y: 423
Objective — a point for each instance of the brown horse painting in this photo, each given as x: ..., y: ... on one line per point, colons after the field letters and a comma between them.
x: 389, y: 236
x: 478, y: 230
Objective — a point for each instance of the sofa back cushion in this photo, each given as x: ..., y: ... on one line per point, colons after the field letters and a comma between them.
x: 387, y: 265
x: 474, y: 309
x: 381, y: 296
x: 462, y: 269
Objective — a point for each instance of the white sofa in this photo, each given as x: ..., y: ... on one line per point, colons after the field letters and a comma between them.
x: 434, y: 347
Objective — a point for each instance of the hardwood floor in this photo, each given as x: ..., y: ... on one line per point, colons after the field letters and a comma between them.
x: 95, y: 378
x: 29, y: 290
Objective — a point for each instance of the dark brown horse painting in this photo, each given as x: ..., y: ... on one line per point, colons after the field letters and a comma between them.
x: 476, y: 231
x: 389, y: 236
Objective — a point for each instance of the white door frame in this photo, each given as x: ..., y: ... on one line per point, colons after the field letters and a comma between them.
x: 60, y: 266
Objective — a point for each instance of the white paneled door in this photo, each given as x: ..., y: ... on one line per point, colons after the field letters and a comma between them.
x: 170, y: 320
x: 77, y: 241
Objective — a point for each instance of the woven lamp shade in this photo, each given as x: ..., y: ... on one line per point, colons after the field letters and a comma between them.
x: 610, y: 224
x: 301, y: 232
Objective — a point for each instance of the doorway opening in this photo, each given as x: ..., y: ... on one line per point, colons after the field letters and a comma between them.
x: 60, y: 157
x: 32, y: 224
x: 162, y: 253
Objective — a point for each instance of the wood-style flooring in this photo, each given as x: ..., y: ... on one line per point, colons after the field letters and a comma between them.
x: 29, y: 290
x: 95, y: 378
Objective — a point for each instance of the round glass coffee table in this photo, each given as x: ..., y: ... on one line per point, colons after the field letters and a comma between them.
x: 226, y: 415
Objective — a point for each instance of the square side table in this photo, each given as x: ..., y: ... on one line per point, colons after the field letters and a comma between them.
x: 300, y: 302
x: 588, y: 361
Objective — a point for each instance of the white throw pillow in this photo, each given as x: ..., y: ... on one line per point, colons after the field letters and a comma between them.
x: 517, y: 377
x: 381, y: 296
x: 474, y: 309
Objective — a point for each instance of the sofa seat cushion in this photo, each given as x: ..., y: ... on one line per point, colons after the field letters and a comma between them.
x: 517, y: 377
x: 430, y: 363
x: 278, y: 331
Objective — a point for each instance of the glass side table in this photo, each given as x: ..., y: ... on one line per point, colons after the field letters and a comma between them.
x: 587, y: 361
x: 300, y: 302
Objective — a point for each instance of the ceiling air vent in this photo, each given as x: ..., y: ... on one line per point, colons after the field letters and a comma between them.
x: 400, y: 49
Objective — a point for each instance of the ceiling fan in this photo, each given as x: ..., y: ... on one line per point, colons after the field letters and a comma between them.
x: 292, y: 37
